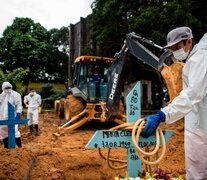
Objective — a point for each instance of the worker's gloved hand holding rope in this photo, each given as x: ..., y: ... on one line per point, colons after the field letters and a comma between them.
x: 144, y: 127
x: 152, y: 122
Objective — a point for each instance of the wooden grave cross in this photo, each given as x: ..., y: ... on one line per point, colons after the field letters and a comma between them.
x: 11, y: 122
x: 122, y: 138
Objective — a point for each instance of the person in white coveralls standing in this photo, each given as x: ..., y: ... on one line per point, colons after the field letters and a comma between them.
x: 33, y: 101
x: 9, y: 95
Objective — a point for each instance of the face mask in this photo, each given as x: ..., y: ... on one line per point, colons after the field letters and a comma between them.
x: 7, y: 91
x: 180, y: 54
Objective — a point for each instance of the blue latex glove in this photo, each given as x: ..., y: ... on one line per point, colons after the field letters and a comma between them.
x: 18, y: 116
x: 152, y: 122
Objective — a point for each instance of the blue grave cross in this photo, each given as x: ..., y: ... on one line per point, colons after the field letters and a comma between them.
x: 11, y: 122
x: 122, y: 138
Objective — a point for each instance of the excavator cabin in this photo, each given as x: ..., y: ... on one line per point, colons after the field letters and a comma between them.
x: 90, y: 77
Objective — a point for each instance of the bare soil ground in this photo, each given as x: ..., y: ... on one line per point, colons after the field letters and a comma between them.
x: 65, y: 157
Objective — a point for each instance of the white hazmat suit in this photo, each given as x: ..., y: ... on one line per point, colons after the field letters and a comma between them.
x: 192, y: 103
x: 34, y: 101
x: 8, y: 95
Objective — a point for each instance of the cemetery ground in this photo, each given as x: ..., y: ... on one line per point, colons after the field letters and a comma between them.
x: 65, y: 157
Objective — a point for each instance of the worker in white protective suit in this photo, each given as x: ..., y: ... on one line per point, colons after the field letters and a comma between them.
x: 9, y: 95
x: 191, y: 103
x: 33, y: 100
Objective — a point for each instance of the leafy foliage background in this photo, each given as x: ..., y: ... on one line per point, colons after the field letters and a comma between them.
x: 30, y: 53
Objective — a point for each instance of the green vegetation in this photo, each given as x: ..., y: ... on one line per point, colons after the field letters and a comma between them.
x: 15, y: 77
x: 28, y: 45
x: 49, y: 92
x: 56, y: 86
x: 111, y: 20
x: 43, y: 55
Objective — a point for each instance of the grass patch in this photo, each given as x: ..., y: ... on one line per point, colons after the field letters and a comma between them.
x: 56, y: 87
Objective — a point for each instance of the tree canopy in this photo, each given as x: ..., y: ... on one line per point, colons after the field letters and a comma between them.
x: 58, y: 61
x: 111, y: 20
x: 30, y: 46
x: 16, y: 78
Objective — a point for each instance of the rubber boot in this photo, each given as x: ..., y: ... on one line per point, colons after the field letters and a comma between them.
x: 31, y: 129
x: 18, y: 142
x: 5, y: 141
x: 36, y: 129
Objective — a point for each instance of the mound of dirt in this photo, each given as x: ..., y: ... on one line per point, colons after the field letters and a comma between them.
x: 65, y: 157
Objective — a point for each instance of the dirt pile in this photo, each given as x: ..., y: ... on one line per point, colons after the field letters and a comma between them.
x: 66, y: 158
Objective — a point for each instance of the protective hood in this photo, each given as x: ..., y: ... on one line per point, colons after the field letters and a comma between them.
x: 203, y: 42
x: 201, y: 45
x: 5, y: 85
x: 32, y: 93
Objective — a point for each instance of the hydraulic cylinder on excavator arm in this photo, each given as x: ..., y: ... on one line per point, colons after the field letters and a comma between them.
x: 117, y: 73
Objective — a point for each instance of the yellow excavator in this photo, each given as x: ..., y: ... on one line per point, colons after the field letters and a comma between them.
x: 86, y: 99
x: 98, y: 98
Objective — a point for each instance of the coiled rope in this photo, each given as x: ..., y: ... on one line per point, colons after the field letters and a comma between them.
x: 136, y: 128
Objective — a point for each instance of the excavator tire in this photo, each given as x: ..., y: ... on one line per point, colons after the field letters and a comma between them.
x: 56, y: 106
x: 61, y: 108
x: 73, y: 106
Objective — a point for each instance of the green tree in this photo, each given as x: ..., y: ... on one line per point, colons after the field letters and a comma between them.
x: 111, y: 20
x: 58, y: 63
x: 25, y: 44
x: 16, y: 78
x: 198, y: 9
x: 109, y: 25
x: 29, y: 45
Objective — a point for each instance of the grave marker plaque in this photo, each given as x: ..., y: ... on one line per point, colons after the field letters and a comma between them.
x: 122, y: 138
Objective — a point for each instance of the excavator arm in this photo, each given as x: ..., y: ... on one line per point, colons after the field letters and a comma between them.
x: 135, y: 47
x: 133, y: 43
